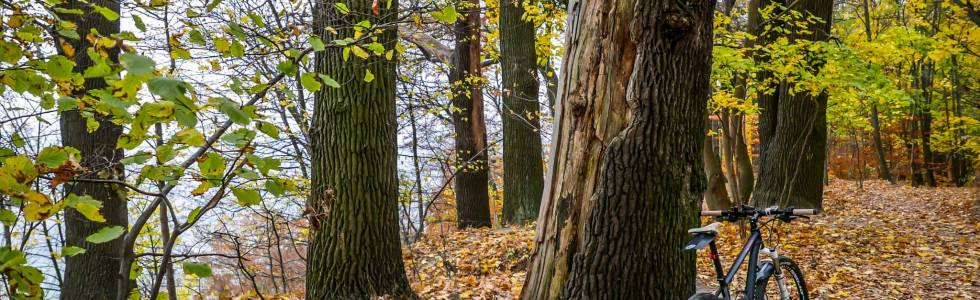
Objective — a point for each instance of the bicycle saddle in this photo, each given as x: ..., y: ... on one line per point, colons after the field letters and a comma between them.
x: 708, y: 229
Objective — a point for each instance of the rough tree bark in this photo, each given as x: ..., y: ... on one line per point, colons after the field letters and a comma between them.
x: 92, y: 275
x: 472, y: 177
x: 354, y: 250
x: 793, y: 132
x: 523, y: 165
x: 625, y: 178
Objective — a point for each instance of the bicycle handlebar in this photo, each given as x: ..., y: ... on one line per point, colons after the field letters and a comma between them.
x: 764, y: 212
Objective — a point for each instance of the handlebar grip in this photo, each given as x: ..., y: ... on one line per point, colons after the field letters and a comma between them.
x: 804, y: 212
x: 711, y: 213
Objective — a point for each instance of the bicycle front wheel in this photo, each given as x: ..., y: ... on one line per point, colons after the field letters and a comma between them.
x: 791, y: 285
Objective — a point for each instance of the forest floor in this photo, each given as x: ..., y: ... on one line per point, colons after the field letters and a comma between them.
x: 880, y: 242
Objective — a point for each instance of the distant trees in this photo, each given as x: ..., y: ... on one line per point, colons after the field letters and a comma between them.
x: 523, y: 166
x: 92, y: 275
x: 626, y: 177
x: 354, y: 250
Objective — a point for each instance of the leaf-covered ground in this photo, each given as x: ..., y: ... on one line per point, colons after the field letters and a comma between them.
x: 881, y: 242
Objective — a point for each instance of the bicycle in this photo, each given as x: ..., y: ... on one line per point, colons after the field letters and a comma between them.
x: 759, y: 273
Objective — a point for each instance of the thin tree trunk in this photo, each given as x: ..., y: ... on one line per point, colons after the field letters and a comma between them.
x: 523, y: 165
x: 472, y: 178
x: 883, y: 171
x: 626, y: 174
x: 92, y: 275
x: 716, y: 196
x: 960, y: 164
x: 793, y: 133
x: 420, y: 209
x: 354, y: 250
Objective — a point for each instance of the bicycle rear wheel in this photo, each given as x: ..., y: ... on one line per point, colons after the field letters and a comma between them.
x: 793, y: 280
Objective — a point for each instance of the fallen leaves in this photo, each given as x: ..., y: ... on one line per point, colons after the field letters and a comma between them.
x: 882, y: 242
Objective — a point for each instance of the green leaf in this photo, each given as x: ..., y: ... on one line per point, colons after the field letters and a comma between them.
x: 275, y: 187
x: 190, y: 136
x: 222, y: 45
x: 447, y: 15
x: 368, y: 76
x: 212, y: 166
x: 109, y: 14
x: 137, y: 64
x: 288, y: 67
x: 317, y: 44
x: 139, y: 23
x: 98, y: 70
x: 200, y: 270
x: 263, y: 164
x: 87, y: 206
x: 166, y: 88
x: 234, y: 113
x: 72, y: 251
x: 246, y: 197
x: 7, y: 217
x: 239, y: 137
x: 269, y: 129
x: 105, y: 234
x: 139, y: 158
x: 17, y: 140
x: 52, y: 157
x: 309, y: 82
x: 329, y: 81
x: 213, y: 4
x: 59, y: 67
x: 342, y: 8
x: 359, y: 52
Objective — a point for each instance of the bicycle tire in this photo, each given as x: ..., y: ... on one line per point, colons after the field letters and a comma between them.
x: 791, y: 271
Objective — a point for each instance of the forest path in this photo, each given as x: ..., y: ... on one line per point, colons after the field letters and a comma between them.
x: 882, y: 242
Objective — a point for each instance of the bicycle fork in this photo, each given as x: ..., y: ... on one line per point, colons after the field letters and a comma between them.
x: 780, y: 277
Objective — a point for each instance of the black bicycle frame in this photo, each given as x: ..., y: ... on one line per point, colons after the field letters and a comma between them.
x: 750, y: 250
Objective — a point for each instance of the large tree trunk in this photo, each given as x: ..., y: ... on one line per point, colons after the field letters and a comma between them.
x: 92, y: 275
x: 472, y: 177
x: 793, y: 133
x: 523, y: 166
x: 354, y: 250
x: 625, y: 177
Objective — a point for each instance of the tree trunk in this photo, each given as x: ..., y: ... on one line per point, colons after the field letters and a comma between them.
x: 716, y: 197
x: 883, y: 171
x: 960, y: 164
x: 92, y: 275
x: 625, y: 177
x: 354, y: 250
x: 472, y: 177
x: 793, y: 134
x: 925, y: 119
x: 523, y: 165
